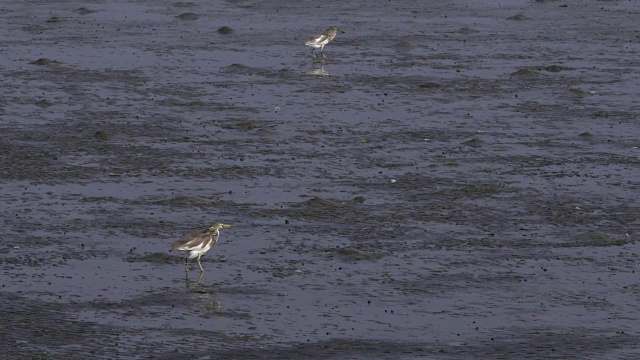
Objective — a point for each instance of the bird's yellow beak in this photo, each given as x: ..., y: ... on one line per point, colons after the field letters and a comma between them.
x: 226, y: 225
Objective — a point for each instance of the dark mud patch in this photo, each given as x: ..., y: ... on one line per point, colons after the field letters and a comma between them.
x: 541, y: 343
x: 475, y: 142
x: 320, y: 208
x: 241, y: 69
x: 352, y: 254
x: 320, y: 203
x: 430, y: 86
x: 607, y: 114
x: 599, y: 239
x: 525, y: 73
x: 404, y: 46
x: 188, y: 16
x: 184, y: 4
x: 467, y: 30
x: 188, y: 202
x: 33, y: 29
x: 84, y: 11
x: 578, y: 91
x: 101, y: 135
x: 481, y: 190
x: 224, y: 30
x: 44, y: 61
x: 54, y: 329
x: 556, y: 68
x: 444, y: 282
x: 586, y: 135
x: 44, y: 103
x: 157, y: 257
x: 518, y: 17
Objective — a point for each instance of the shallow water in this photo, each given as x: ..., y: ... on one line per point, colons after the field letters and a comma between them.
x: 450, y: 184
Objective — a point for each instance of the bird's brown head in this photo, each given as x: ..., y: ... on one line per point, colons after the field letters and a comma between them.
x: 217, y: 226
x: 335, y: 29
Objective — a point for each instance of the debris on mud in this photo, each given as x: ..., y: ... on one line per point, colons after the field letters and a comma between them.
x: 352, y: 254
x: 518, y: 17
x: 44, y: 61
x: 525, y: 73
x: 188, y: 16
x: 85, y: 11
x: 101, y: 135
x: 225, y: 30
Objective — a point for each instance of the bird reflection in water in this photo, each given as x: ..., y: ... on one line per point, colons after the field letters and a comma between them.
x: 318, y: 71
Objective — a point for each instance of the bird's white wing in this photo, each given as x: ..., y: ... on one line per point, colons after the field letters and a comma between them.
x: 316, y: 39
x: 189, y: 241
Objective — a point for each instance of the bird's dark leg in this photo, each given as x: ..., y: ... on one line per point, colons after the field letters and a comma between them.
x: 322, y: 51
x: 186, y: 263
x: 201, y: 269
x: 313, y: 52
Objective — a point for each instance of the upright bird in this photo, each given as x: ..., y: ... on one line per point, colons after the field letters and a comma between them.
x: 199, y: 242
x: 320, y: 40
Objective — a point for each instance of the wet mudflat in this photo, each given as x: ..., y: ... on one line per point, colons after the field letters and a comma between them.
x: 458, y: 181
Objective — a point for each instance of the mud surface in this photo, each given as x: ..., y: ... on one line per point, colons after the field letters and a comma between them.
x: 458, y: 181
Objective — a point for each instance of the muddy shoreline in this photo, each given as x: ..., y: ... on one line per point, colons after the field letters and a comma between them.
x: 455, y: 180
